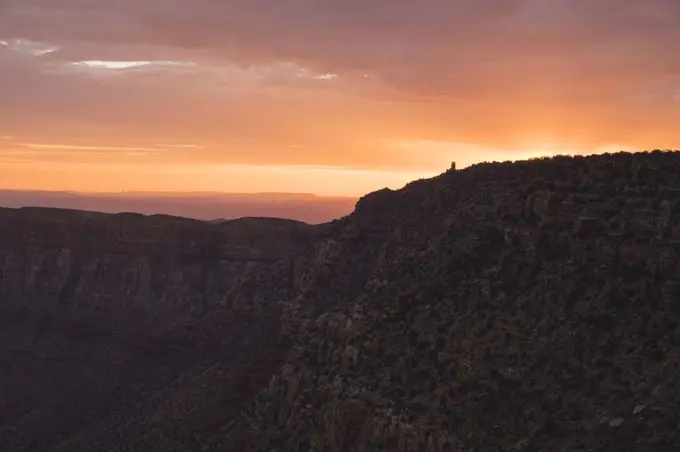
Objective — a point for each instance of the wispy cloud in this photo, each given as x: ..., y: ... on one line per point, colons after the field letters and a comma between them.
x: 132, y: 65
x: 28, y: 47
x: 74, y: 147
x: 122, y: 65
x: 180, y: 146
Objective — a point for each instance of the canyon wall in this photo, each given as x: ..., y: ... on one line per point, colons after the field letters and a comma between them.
x: 528, y: 306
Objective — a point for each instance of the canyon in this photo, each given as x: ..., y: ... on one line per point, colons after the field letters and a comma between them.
x: 526, y: 306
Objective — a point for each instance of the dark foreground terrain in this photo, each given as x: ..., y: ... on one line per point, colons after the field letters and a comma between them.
x: 532, y: 306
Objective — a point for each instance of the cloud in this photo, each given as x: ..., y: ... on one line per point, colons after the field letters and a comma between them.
x: 23, y: 46
x: 339, y: 82
x: 180, y: 146
x: 74, y: 147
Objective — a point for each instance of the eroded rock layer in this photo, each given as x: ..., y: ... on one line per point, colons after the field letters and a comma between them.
x: 105, y: 320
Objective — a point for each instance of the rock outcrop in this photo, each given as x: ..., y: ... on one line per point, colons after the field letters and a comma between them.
x: 529, y: 306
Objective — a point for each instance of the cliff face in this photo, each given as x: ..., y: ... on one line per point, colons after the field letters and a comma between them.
x: 129, y: 264
x: 103, y: 317
x: 531, y: 306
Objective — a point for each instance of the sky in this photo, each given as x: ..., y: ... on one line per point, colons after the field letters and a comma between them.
x: 331, y: 97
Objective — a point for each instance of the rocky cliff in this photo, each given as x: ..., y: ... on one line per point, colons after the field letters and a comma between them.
x: 529, y: 306
x: 105, y: 317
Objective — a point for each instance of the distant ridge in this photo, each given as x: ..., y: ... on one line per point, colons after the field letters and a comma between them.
x: 200, y: 205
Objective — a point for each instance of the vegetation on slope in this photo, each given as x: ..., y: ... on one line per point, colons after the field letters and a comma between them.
x: 528, y: 306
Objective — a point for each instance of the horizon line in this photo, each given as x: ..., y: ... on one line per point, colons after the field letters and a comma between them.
x: 166, y: 192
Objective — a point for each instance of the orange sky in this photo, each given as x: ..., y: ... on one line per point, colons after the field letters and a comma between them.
x: 333, y: 97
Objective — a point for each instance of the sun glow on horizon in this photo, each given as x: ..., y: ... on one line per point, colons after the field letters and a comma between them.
x: 244, y: 96
x: 145, y: 165
x: 227, y: 178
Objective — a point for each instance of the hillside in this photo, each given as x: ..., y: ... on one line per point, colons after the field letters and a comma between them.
x: 529, y: 306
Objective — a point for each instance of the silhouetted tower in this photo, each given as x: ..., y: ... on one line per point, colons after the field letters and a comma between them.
x: 453, y: 167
